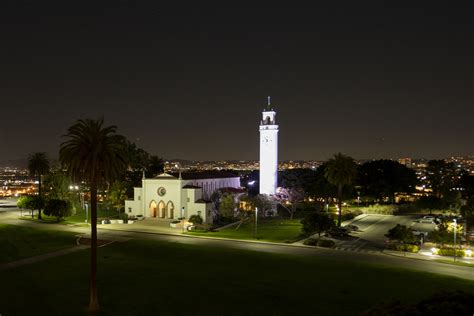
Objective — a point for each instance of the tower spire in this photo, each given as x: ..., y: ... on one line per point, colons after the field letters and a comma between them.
x: 269, y: 103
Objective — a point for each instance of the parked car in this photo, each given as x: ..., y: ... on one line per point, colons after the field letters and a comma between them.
x: 425, y: 221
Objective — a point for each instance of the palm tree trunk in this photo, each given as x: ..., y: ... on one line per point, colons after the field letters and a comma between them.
x: 39, y: 194
x: 339, y: 204
x: 93, y: 301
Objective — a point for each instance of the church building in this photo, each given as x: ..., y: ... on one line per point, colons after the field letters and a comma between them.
x: 171, y: 196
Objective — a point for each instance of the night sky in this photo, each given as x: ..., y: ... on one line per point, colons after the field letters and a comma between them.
x: 190, y: 82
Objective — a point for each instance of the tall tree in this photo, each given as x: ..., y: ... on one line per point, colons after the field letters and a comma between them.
x: 321, y: 188
x: 56, y: 185
x: 289, y: 198
x: 38, y: 165
x: 96, y: 154
x: 442, y: 176
x: 340, y: 171
x: 383, y: 178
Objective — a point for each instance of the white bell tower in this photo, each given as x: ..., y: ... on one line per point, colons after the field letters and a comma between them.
x: 268, y: 151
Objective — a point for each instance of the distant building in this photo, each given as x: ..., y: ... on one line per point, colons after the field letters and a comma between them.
x: 171, y: 196
x: 405, y: 161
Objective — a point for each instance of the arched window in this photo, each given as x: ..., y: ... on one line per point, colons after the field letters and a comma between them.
x: 170, y: 209
x: 152, y: 208
x: 162, y: 209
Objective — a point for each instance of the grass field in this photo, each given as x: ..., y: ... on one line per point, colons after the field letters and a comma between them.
x: 17, y: 242
x: 143, y: 277
x: 78, y: 218
x: 275, y: 230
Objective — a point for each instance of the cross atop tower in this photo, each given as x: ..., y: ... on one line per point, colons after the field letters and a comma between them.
x: 269, y: 104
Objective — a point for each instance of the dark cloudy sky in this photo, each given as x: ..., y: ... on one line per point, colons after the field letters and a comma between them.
x: 372, y: 82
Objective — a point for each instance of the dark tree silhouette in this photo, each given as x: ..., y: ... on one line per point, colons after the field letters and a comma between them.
x: 38, y: 165
x: 340, y: 171
x: 97, y: 155
x: 383, y: 178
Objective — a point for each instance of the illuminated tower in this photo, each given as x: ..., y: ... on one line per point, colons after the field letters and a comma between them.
x: 268, y: 151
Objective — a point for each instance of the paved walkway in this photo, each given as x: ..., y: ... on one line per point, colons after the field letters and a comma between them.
x: 30, y: 260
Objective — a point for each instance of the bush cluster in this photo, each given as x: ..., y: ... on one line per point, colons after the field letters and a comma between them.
x: 196, y: 219
x: 449, y: 252
x: 350, y: 215
x: 310, y: 242
x: 379, y: 209
x: 327, y: 243
x: 401, y: 247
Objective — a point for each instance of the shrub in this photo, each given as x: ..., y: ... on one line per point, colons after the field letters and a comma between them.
x: 347, y: 216
x: 316, y: 223
x: 196, y: 219
x: 124, y: 217
x: 310, y: 242
x: 379, y: 209
x: 58, y: 208
x: 327, y: 243
x: 350, y: 215
x: 406, y: 247
x: 449, y: 252
x: 402, y: 234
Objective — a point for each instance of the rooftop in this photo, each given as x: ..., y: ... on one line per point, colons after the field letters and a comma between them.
x: 198, y: 175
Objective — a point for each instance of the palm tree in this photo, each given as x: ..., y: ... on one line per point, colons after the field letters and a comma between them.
x: 340, y: 171
x: 95, y: 154
x: 38, y: 165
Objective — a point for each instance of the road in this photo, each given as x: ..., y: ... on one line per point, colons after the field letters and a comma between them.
x: 371, y: 233
x: 368, y: 228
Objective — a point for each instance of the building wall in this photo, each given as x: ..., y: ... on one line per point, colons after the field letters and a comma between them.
x: 209, y: 186
x: 268, y: 158
x: 147, y: 196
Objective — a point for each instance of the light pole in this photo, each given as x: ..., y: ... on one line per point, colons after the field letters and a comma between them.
x: 454, y: 230
x: 256, y: 216
x: 182, y: 215
x: 87, y: 209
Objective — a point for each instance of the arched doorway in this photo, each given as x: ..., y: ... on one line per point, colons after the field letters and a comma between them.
x: 152, y: 208
x: 162, y: 209
x: 170, y: 208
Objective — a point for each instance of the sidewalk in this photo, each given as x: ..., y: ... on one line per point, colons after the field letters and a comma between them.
x: 30, y: 260
x: 428, y: 256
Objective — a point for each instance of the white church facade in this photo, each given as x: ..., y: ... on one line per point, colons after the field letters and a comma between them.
x: 172, y: 196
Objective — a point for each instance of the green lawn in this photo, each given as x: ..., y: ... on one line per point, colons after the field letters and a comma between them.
x: 78, y: 218
x: 17, y: 242
x: 275, y: 230
x: 144, y: 277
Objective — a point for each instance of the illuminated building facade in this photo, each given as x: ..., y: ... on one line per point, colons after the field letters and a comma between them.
x: 268, y: 151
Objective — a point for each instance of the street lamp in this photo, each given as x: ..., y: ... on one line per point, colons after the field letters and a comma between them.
x: 256, y: 215
x: 182, y: 216
x: 87, y: 209
x: 454, y: 230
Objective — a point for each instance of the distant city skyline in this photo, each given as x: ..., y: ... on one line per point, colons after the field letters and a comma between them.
x: 368, y: 81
